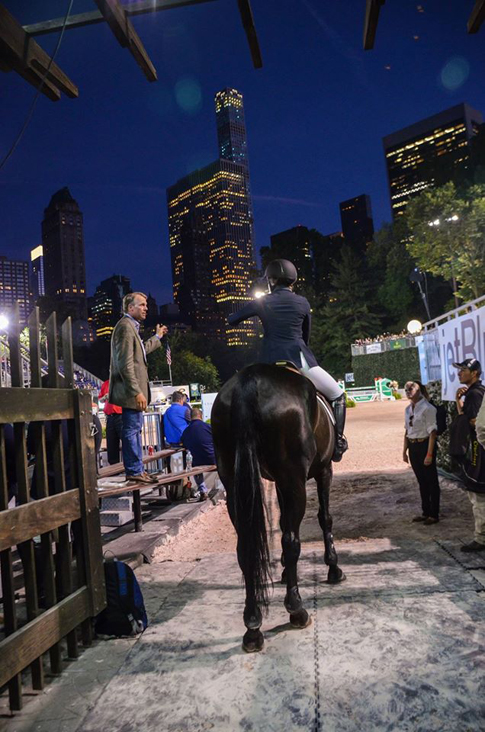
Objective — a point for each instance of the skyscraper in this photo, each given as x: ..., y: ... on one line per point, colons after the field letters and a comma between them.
x: 413, y: 152
x: 15, y: 287
x: 293, y: 244
x: 107, y: 304
x: 64, y: 265
x: 37, y: 270
x: 357, y: 222
x: 210, y: 230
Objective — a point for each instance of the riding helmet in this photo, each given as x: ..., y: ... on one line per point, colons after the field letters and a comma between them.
x: 283, y: 271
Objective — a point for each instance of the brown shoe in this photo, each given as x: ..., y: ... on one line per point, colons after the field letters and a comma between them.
x: 151, y: 478
x: 143, y: 479
x: 419, y: 519
x: 430, y: 520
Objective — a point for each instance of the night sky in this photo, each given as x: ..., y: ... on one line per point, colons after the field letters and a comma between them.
x: 315, y: 114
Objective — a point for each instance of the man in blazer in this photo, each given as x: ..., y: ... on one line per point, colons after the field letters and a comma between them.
x: 128, y: 381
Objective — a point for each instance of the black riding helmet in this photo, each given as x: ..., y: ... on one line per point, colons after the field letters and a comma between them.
x: 283, y: 271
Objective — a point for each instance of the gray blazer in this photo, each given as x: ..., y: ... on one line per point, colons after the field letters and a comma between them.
x: 128, y: 367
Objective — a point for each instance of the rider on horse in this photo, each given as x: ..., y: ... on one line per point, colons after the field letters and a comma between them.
x: 286, y: 323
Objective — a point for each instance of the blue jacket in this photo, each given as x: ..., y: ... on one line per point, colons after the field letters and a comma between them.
x: 198, y: 439
x: 175, y: 420
x: 286, y: 323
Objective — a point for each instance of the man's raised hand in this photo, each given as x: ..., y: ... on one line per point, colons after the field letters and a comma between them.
x: 161, y: 330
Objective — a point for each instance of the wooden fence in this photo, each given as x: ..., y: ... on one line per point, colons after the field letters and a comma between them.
x: 66, y: 505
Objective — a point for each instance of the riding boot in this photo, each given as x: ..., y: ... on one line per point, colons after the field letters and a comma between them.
x: 339, y: 407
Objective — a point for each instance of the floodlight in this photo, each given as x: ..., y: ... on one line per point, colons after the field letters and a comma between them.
x: 414, y: 327
x: 3, y: 322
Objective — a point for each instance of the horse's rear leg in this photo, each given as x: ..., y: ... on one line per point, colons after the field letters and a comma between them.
x: 292, y: 500
x: 324, y: 481
x: 253, y: 639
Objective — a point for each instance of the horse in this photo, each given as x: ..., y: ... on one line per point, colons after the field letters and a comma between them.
x: 268, y: 423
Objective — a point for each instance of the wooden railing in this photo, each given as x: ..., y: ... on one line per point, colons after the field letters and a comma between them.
x: 66, y: 506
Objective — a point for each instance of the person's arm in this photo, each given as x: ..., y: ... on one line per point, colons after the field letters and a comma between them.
x: 155, y: 341
x: 480, y: 425
x: 431, y: 443
x: 307, y: 326
x: 459, y: 398
x: 248, y: 311
x: 431, y: 428
x: 405, y: 456
x: 123, y: 341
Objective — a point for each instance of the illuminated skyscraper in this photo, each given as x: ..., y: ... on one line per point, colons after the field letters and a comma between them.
x: 37, y: 269
x: 63, y: 244
x: 211, y: 248
x: 15, y: 287
x: 413, y: 152
x: 107, y: 304
x: 210, y: 229
x: 357, y: 222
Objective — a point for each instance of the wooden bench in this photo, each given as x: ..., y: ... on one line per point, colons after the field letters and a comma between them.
x: 163, y: 479
x: 118, y: 468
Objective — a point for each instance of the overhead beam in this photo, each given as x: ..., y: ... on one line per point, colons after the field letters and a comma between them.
x: 126, y: 35
x: 22, y: 54
x: 477, y: 17
x: 372, y: 10
x: 95, y: 16
x: 250, y: 30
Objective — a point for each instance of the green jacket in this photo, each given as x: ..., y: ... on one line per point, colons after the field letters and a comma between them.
x: 128, y: 365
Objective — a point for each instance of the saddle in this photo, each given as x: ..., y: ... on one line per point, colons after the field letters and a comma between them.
x: 321, y: 399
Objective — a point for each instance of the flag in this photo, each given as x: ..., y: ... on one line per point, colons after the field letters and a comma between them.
x: 168, y: 354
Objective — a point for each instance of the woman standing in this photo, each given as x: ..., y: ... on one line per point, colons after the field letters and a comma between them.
x: 420, y: 449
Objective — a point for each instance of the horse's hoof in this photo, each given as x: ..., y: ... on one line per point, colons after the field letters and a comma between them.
x: 336, y: 576
x: 253, y: 641
x: 300, y: 620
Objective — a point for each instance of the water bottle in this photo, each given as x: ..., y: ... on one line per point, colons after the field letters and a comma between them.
x: 189, y: 460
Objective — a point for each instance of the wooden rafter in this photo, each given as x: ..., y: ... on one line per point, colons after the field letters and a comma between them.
x: 477, y: 17
x: 126, y: 35
x: 250, y: 30
x: 372, y: 10
x: 22, y: 54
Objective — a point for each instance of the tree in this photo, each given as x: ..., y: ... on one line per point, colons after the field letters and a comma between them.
x: 187, y: 367
x: 345, y: 317
x: 447, y: 231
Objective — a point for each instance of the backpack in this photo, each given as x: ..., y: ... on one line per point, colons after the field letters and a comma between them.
x: 441, y: 418
x: 125, y: 613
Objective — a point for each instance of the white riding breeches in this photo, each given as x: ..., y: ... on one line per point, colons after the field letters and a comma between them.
x: 322, y: 380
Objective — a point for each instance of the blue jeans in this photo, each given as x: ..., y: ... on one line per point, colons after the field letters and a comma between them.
x: 131, y: 441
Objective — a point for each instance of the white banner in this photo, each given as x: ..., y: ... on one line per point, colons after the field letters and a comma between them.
x: 373, y: 348
x: 461, y: 338
x: 207, y: 402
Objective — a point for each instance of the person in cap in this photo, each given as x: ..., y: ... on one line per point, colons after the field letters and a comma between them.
x: 286, y: 320
x: 469, y: 398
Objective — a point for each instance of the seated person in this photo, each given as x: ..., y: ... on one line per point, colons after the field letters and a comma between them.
x: 175, y: 420
x: 197, y: 438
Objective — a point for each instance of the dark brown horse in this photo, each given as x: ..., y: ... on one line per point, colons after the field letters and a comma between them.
x: 268, y: 423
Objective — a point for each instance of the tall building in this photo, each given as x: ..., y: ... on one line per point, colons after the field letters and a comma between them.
x: 37, y: 272
x: 107, y: 304
x: 15, y: 287
x: 210, y: 231
x: 413, y: 153
x: 293, y: 244
x: 63, y: 244
x: 357, y: 222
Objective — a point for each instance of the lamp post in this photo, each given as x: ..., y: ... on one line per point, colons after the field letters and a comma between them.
x: 437, y: 223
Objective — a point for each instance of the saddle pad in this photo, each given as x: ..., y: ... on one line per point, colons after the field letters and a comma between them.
x: 327, y: 408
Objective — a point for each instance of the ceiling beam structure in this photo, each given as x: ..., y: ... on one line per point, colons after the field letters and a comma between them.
x: 95, y: 16
x: 372, y: 11
x: 22, y: 54
x: 122, y: 27
x: 477, y: 17
x: 250, y: 30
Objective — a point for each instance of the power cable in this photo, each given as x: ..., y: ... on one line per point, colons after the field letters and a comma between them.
x: 39, y: 90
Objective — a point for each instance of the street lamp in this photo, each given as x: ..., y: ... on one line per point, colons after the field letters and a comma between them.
x: 414, y: 327
x: 436, y: 223
x: 259, y: 293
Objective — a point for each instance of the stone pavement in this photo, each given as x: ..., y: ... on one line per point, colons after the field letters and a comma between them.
x: 399, y: 646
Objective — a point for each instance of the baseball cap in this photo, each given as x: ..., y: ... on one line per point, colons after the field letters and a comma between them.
x: 469, y: 363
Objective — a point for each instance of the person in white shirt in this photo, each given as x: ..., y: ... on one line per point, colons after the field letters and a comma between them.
x: 420, y: 449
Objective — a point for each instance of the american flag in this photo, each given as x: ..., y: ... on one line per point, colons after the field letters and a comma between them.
x: 168, y: 354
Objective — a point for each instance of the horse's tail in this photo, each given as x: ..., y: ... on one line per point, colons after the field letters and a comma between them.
x: 253, y: 551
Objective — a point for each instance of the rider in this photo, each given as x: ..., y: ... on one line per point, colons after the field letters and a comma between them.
x: 286, y: 323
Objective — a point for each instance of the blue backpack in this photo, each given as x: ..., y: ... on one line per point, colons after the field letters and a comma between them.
x: 125, y: 613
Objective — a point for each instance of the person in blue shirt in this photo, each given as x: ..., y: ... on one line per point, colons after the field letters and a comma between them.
x: 197, y: 438
x: 176, y: 419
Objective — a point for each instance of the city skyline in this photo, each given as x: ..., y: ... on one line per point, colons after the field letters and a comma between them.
x: 316, y: 114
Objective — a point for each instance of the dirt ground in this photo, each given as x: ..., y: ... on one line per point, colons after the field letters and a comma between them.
x: 374, y: 494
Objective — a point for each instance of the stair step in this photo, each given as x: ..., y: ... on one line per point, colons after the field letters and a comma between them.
x: 115, y: 518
